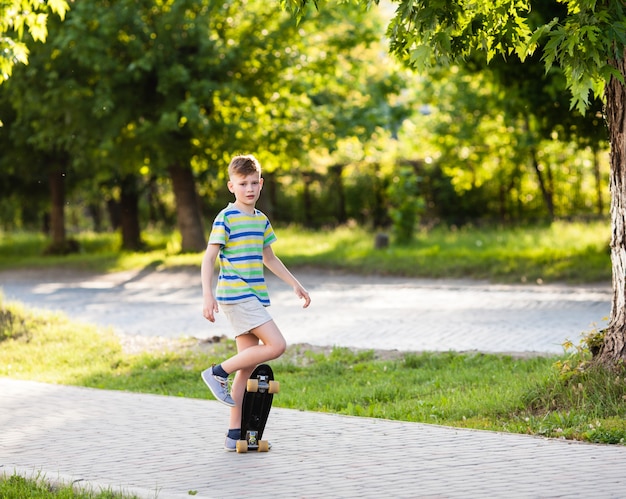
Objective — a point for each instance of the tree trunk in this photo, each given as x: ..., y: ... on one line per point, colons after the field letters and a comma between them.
x: 307, y: 202
x: 60, y: 244
x: 337, y: 179
x: 96, y: 215
x: 269, y: 199
x: 115, y: 216
x: 129, y: 214
x: 380, y: 216
x: 56, y: 181
x: 157, y: 213
x: 545, y: 190
x: 613, y: 350
x: 187, y: 209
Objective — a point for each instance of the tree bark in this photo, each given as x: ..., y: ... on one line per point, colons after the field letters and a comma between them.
x: 129, y: 214
x: 60, y: 244
x: 187, y: 208
x: 613, y: 350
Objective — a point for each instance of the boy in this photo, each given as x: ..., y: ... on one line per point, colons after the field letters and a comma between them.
x: 242, y: 236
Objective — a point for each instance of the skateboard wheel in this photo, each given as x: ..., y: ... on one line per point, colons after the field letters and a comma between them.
x: 242, y: 446
x: 274, y: 387
x: 252, y: 385
x: 264, y: 446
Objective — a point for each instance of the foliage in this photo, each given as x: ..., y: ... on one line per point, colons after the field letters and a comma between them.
x: 583, y: 42
x: 17, y: 16
x: 124, y: 92
x: 332, y: 133
x: 579, y: 356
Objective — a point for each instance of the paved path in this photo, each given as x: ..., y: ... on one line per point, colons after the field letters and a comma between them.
x: 169, y: 447
x: 371, y: 312
x: 165, y: 447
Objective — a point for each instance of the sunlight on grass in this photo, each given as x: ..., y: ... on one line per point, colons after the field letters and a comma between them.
x: 572, y: 252
x: 69, y: 350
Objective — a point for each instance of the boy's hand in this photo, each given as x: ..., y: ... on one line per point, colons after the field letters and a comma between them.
x: 210, y: 308
x: 304, y: 294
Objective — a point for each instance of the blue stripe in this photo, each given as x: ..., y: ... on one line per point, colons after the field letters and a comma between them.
x: 229, y: 277
x: 250, y: 280
x: 248, y: 234
x: 245, y: 258
x: 238, y: 297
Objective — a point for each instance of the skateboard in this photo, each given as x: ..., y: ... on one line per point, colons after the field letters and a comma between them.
x: 257, y: 402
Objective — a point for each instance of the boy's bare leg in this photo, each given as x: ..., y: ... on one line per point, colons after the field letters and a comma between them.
x: 251, y: 353
x: 273, y: 346
x: 238, y: 387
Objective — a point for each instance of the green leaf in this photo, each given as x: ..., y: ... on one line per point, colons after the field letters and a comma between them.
x: 420, y: 57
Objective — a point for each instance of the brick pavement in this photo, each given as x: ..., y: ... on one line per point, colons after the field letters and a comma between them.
x: 167, y: 447
x: 347, y: 310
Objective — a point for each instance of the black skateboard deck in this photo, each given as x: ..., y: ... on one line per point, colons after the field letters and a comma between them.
x: 257, y: 402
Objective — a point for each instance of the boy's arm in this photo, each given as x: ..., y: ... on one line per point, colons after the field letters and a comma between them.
x: 274, y: 263
x: 209, y: 303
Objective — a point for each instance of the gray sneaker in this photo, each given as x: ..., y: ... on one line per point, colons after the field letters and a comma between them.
x: 218, y: 386
x: 230, y: 445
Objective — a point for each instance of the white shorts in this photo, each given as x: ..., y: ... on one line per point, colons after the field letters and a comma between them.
x: 245, y: 316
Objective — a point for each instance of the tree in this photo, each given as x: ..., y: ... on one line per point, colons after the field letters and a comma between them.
x: 588, y: 42
x: 131, y: 92
x: 15, y: 17
x: 51, y: 131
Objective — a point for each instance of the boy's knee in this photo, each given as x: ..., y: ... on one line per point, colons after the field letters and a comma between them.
x: 283, y: 347
x: 279, y: 348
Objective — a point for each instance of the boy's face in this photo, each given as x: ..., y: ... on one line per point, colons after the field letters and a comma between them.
x: 246, y: 188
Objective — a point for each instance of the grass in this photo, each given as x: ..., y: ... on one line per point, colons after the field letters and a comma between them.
x: 37, y: 487
x: 567, y: 252
x: 535, y: 395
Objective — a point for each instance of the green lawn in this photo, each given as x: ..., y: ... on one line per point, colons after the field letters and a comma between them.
x: 568, y: 252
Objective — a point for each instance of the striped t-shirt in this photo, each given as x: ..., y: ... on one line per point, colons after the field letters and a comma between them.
x: 242, y: 238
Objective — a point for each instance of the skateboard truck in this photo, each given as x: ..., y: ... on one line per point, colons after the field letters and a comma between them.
x: 252, y: 442
x: 262, y: 384
x: 252, y: 438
